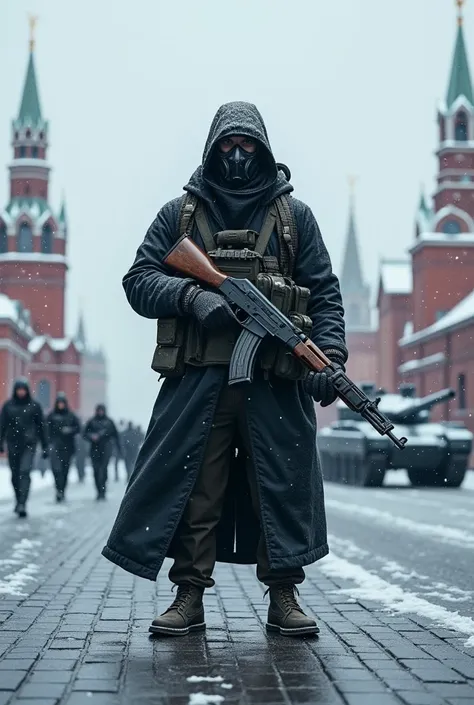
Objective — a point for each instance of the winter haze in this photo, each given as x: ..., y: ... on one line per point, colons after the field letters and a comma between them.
x: 130, y: 89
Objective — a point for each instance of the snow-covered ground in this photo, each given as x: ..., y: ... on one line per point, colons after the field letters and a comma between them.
x: 408, y: 550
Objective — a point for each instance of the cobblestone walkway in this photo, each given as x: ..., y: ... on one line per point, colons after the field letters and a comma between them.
x: 74, y: 631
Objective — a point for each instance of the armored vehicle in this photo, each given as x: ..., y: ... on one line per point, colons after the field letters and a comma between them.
x: 436, y: 454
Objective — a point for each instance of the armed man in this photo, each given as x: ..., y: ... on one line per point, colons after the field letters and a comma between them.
x: 22, y: 427
x: 231, y: 472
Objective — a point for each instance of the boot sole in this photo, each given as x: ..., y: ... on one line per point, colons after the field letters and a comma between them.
x: 298, y: 631
x: 170, y: 631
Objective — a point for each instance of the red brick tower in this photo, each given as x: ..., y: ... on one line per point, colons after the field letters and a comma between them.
x: 443, y: 253
x: 32, y: 239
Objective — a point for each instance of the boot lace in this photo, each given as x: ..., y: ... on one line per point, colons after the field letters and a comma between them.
x: 286, y: 594
x: 182, y: 597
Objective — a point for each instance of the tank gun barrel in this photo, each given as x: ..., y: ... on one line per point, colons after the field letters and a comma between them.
x: 423, y: 404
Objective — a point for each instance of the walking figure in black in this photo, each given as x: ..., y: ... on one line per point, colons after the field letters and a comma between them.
x: 63, y: 427
x: 22, y: 427
x: 130, y: 441
x: 80, y: 458
x: 102, y: 435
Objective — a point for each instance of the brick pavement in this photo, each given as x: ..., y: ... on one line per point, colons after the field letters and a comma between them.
x: 78, y: 635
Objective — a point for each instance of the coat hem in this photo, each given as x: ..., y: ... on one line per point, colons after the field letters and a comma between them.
x: 142, y: 571
x: 301, y: 559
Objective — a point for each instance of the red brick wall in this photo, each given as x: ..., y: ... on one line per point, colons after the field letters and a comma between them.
x: 394, y: 312
x: 461, y: 198
x: 442, y: 276
x: 40, y: 287
x: 29, y: 188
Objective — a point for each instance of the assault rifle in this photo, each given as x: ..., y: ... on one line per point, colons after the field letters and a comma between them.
x: 263, y: 318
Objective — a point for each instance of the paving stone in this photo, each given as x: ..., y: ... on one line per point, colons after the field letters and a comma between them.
x: 31, y: 691
x: 96, y: 685
x: 10, y: 680
x: 420, y: 698
x: 50, y: 677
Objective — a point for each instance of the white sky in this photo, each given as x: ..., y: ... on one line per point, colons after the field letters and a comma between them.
x: 130, y: 89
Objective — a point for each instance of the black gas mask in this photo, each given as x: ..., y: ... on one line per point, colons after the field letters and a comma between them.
x: 237, y: 166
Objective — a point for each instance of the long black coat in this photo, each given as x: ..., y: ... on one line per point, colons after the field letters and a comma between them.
x: 280, y: 414
x: 63, y: 427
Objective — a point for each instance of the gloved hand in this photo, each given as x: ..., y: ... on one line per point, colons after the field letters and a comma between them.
x: 45, y: 453
x: 319, y: 385
x: 208, y: 308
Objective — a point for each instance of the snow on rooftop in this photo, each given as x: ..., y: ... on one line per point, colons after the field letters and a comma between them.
x: 31, y: 257
x: 421, y: 363
x: 12, y: 310
x: 56, y: 344
x: 444, y: 239
x: 463, y: 312
x: 396, y: 276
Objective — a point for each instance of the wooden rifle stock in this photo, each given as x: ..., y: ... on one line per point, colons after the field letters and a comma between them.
x: 186, y: 257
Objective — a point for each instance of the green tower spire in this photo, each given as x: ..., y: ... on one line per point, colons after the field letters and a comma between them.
x: 460, y: 79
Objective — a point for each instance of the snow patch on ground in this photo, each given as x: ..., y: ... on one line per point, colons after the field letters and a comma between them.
x: 204, y: 699
x: 437, y: 532
x: 393, y: 597
x: 207, y: 679
x: 22, y: 553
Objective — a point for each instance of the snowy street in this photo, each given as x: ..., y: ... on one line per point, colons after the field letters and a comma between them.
x: 393, y: 599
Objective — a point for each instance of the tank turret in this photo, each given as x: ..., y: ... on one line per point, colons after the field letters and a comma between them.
x: 409, y: 409
x: 436, y: 454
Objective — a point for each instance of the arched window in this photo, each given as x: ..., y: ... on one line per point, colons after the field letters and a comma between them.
x: 47, y: 239
x: 22, y: 151
x: 43, y: 394
x: 34, y: 152
x: 460, y: 129
x: 3, y: 238
x: 25, y: 238
x: 442, y: 130
x: 451, y: 227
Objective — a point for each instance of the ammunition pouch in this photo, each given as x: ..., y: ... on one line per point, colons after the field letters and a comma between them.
x: 240, y: 254
x: 168, y: 359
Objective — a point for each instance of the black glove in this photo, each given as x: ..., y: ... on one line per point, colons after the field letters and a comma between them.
x: 208, y: 308
x: 45, y: 453
x: 320, y: 386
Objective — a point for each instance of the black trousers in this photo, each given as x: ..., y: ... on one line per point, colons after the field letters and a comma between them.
x: 129, y: 460
x: 60, y: 462
x: 195, y: 543
x: 21, y: 461
x: 100, y: 458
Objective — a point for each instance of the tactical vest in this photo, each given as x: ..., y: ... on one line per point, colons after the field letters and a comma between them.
x: 241, y: 254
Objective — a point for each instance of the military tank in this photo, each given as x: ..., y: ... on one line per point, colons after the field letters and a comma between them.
x: 436, y: 454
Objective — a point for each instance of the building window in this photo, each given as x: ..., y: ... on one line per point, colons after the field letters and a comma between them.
x: 25, y: 238
x: 442, y: 130
x: 22, y: 151
x: 3, y: 238
x: 47, y: 239
x: 462, y: 391
x: 451, y: 227
x: 460, y: 128
x: 440, y: 314
x: 34, y: 152
x: 43, y: 394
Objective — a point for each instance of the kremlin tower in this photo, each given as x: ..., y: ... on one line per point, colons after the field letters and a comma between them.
x: 33, y: 268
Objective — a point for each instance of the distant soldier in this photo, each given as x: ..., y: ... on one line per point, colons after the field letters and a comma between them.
x: 80, y: 458
x: 117, y: 456
x: 22, y: 427
x: 103, y: 437
x: 130, y: 441
x: 63, y: 427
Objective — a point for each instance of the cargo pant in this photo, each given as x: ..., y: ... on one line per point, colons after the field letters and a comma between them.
x: 195, y: 541
x: 21, y: 461
x: 60, y: 462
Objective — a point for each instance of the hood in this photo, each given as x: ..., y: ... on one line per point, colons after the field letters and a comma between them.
x: 244, y: 119
x: 99, y: 408
x: 61, y: 397
x: 21, y: 383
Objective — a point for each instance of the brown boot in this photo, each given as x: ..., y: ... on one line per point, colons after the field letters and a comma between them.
x: 185, y: 614
x: 285, y: 615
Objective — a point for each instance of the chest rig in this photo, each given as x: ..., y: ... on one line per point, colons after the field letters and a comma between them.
x: 241, y: 254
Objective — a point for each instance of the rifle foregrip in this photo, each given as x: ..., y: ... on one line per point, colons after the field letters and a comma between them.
x: 243, y: 357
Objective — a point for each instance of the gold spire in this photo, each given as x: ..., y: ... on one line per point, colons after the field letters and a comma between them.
x: 32, y: 20
x: 460, y: 4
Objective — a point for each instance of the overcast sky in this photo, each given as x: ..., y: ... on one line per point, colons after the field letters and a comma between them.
x: 130, y: 89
